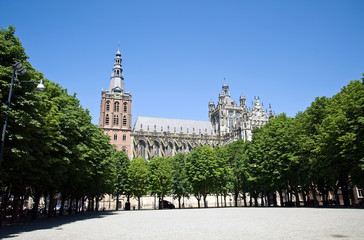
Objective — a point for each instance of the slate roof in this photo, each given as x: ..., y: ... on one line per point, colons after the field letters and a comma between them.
x: 167, y: 124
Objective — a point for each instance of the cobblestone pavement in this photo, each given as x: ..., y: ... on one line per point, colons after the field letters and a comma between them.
x: 211, y: 223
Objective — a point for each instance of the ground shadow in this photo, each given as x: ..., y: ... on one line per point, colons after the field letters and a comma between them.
x: 12, y: 231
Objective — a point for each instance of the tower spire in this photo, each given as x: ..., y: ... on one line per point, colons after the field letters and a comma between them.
x: 117, y: 79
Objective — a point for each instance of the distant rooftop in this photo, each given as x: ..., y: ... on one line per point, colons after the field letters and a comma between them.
x: 160, y: 125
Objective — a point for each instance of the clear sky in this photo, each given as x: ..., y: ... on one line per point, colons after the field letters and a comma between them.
x: 176, y: 54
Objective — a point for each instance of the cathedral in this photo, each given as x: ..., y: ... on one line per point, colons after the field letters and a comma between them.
x: 153, y: 137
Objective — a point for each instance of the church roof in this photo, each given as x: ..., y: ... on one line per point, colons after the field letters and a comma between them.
x: 161, y: 125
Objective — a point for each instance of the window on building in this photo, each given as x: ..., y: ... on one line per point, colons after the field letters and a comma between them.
x: 125, y: 107
x: 115, y: 137
x: 108, y: 106
x: 360, y: 193
x: 124, y: 137
x: 107, y: 119
x: 116, y: 107
x: 116, y: 119
x: 230, y: 123
x: 124, y: 120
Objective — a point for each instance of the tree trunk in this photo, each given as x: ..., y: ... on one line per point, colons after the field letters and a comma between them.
x: 36, y: 205
x: 21, y: 212
x: 70, y: 206
x: 345, y: 192
x: 117, y: 202
x: 179, y: 202
x: 236, y: 196
x: 97, y: 204
x: 83, y: 205
x: 337, y: 198
x: 138, y: 203
x: 50, y: 205
x: 280, y: 192
x: 244, y: 198
x: 205, y: 201
x: 275, y: 199
x: 217, y: 199
x: 298, y: 203
x: 77, y: 200
x: 304, y: 198
x: 255, y: 200
x: 262, y: 203
x: 15, y: 205
x: 63, y: 200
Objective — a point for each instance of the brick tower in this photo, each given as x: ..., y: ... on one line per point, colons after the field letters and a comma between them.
x: 115, y: 109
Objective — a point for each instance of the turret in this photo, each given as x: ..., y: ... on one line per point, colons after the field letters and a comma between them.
x: 117, y: 79
x: 271, y: 115
x: 211, y: 106
x: 242, y: 100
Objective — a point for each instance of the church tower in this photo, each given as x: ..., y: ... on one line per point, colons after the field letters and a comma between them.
x: 115, y: 109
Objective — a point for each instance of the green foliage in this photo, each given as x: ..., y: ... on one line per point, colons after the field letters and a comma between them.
x: 160, y: 176
x: 121, y: 162
x: 138, y: 177
x: 51, y: 145
x: 200, y: 168
x: 180, y: 184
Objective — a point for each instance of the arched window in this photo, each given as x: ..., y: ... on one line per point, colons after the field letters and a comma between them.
x: 116, y: 107
x: 125, y: 107
x: 115, y: 137
x: 116, y: 119
x: 124, y: 137
x: 124, y: 120
x: 108, y: 106
x: 107, y: 119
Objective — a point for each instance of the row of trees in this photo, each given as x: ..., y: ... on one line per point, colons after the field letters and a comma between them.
x: 52, y: 148
x: 315, y: 155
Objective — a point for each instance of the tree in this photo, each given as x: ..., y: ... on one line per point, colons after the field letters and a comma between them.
x: 180, y: 184
x: 160, y: 177
x: 238, y: 162
x: 51, y: 145
x: 273, y: 156
x: 138, y: 178
x: 200, y: 165
x: 222, y: 173
x: 122, y: 163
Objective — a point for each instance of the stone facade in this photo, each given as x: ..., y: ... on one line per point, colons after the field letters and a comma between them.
x: 152, y: 137
x: 115, y: 110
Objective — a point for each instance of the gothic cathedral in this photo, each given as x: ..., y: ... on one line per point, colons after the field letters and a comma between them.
x: 153, y: 137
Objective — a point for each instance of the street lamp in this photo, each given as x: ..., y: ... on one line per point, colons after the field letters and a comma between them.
x: 17, y: 69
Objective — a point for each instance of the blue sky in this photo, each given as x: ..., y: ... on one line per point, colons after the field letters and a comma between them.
x: 176, y: 54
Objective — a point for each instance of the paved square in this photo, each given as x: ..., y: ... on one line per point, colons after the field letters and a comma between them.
x: 211, y: 223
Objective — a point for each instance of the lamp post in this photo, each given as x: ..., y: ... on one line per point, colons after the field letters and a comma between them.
x: 17, y: 69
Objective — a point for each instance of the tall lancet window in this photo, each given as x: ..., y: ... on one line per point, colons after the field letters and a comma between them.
x: 125, y: 107
x: 116, y: 107
x: 116, y: 119
x: 115, y: 137
x: 124, y: 120
x: 107, y: 119
x: 108, y: 106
